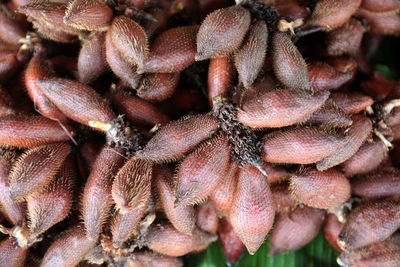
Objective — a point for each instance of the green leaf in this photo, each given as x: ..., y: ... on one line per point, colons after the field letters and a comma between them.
x: 317, y: 253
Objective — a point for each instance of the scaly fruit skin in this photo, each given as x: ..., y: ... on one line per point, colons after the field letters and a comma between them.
x: 324, y: 77
x: 207, y: 218
x: 332, y: 230
x: 231, y: 244
x: 222, y: 32
x: 11, y: 254
x: 220, y: 78
x: 253, y: 210
x: 370, y: 222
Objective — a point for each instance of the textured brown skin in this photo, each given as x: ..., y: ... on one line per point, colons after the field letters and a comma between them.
x: 279, y: 108
x: 202, y: 171
x: 231, y: 244
x: 92, y: 58
x: 351, y: 103
x: 322, y: 190
x: 253, y: 210
x: 222, y: 32
x: 346, y: 39
x: 330, y: 14
x: 367, y: 158
x: 97, y: 199
x: 370, y: 222
x: 172, y: 51
x: 183, y: 218
x: 11, y: 31
x: 165, y: 239
x: 152, y: 28
x: 223, y: 195
x: 383, y: 254
x: 120, y: 67
x: 138, y: 110
x: 30, y: 131
x: 249, y: 59
x: 55, y: 34
x: 220, y: 77
x: 11, y: 254
x: 79, y: 102
x: 294, y: 230
x: 68, y: 249
x: 131, y: 186
x: 123, y: 226
x: 14, y: 212
x: 356, y: 135
x: 381, y: 23
x: 150, y: 259
x: 38, y: 68
x: 301, y: 145
x: 289, y: 65
x: 325, y: 77
x: 291, y: 9
x: 130, y: 40
x: 207, y: 218
x: 332, y: 230
x: 284, y: 200
x: 6, y: 103
x: 89, y: 15
x: 158, y: 86
x: 329, y: 115
x: 53, y: 203
x: 36, y: 168
x: 380, y: 6
x: 382, y: 183
x: 176, y: 138
x: 9, y: 65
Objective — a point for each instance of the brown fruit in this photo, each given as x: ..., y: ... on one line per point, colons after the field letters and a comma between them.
x: 382, y: 183
x: 158, y: 86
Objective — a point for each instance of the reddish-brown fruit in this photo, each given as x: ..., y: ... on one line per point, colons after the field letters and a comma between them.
x: 325, y: 77
x: 330, y: 14
x: 202, y: 171
x: 11, y: 255
x: 55, y: 34
x: 367, y: 158
x: 97, y: 199
x: 36, y: 168
x: 9, y: 65
x: 220, y: 77
x: 6, y: 103
x: 92, y: 58
x: 329, y: 115
x: 355, y: 136
x: 178, y: 137
x: 301, y: 145
x: 130, y: 40
x: 172, y: 51
x: 223, y: 195
x: 380, y: 6
x: 291, y: 9
x: 322, y: 190
x: 207, y: 218
x: 182, y: 217
x: 14, y: 212
x: 332, y: 230
x: 31, y: 131
x: 231, y: 244
x: 351, y: 103
x: 294, y: 230
x: 121, y: 68
x: 383, y: 254
x: 68, y: 249
x: 386, y: 23
x: 276, y: 173
x: 346, y: 39
x: 53, y: 203
x: 370, y: 222
x: 131, y: 186
x: 39, y: 69
x: 165, y: 239
x: 158, y: 86
x: 222, y: 32
x: 123, y: 226
x: 284, y: 200
x: 289, y: 65
x: 279, y: 108
x: 253, y: 210
x: 152, y: 28
x: 79, y: 102
x: 249, y: 59
x: 138, y: 110
x: 89, y: 15
x: 384, y: 183
x: 10, y: 31
x: 150, y: 259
